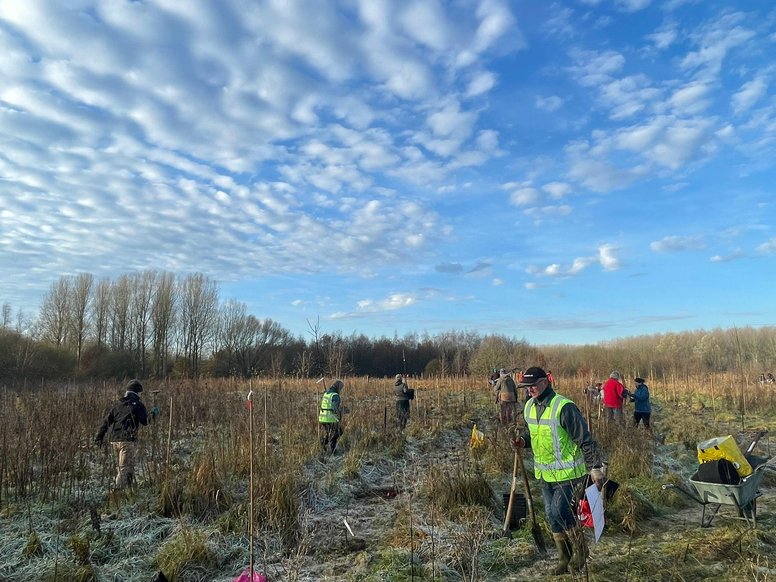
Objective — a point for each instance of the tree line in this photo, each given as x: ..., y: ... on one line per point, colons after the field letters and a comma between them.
x: 155, y: 325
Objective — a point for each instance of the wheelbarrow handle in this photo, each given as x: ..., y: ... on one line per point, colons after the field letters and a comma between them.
x: 683, y: 490
x: 760, y: 434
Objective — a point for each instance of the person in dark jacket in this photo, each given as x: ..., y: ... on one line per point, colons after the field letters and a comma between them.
x: 642, y: 409
x: 402, y: 392
x: 121, y: 424
x: 506, y: 397
x: 563, y: 451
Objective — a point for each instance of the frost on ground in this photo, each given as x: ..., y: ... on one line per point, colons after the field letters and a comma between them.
x: 417, y: 506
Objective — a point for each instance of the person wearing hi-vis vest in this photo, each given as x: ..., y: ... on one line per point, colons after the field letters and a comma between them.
x: 330, y: 416
x: 563, y: 449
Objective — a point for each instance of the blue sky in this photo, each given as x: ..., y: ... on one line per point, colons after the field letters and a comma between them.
x: 566, y: 172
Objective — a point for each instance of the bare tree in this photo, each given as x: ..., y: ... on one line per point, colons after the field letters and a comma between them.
x: 162, y: 322
x: 100, y: 314
x: 6, y: 323
x: 81, y: 293
x: 119, y: 314
x: 199, y: 311
x: 140, y: 312
x: 55, y: 312
x: 249, y: 344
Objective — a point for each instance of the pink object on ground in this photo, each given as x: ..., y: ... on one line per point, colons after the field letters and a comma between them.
x: 246, y: 577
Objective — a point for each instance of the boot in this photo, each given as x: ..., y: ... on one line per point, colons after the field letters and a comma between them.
x: 564, y: 553
x: 579, y: 549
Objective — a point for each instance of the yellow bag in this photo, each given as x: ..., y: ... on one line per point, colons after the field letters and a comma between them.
x: 478, y: 437
x: 724, y: 448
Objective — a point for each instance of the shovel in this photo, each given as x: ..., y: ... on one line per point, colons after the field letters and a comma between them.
x: 536, y: 531
x: 508, y: 518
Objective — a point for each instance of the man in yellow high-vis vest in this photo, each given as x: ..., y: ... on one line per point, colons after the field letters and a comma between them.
x: 563, y: 450
x: 330, y: 416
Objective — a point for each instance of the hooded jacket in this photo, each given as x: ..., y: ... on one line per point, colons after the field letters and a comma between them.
x: 123, y: 420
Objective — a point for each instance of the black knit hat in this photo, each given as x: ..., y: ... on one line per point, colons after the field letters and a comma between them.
x: 134, y: 386
x: 639, y: 380
x: 532, y: 375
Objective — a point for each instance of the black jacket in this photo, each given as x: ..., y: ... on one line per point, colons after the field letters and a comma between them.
x: 123, y: 420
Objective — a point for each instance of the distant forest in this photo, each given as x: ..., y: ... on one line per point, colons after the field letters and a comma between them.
x: 154, y: 325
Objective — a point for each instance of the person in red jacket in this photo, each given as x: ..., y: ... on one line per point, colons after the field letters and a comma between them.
x: 614, y: 395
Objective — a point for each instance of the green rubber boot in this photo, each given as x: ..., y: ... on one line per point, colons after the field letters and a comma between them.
x: 579, y: 552
x: 564, y: 553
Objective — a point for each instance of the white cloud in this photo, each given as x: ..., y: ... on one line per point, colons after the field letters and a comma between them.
x: 550, y: 104
x: 497, y: 282
x: 680, y: 143
x: 675, y: 243
x: 691, y: 98
x: 524, y: 196
x: 734, y: 256
x: 557, y: 189
x: 551, y: 211
x: 715, y: 40
x: 749, y: 94
x: 768, y: 246
x: 665, y: 36
x: 607, y: 259
x: 481, y: 83
x: 594, y: 68
x: 393, y: 301
x: 633, y: 5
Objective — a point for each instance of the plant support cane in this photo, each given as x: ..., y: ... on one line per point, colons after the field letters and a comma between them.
x: 250, y: 519
x: 536, y: 531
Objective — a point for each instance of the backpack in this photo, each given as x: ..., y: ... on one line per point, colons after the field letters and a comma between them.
x: 720, y: 471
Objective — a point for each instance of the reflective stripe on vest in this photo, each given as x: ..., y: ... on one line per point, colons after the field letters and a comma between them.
x: 561, y: 461
x: 327, y: 413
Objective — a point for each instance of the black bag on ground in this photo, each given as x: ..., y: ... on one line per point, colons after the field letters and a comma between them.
x: 720, y: 471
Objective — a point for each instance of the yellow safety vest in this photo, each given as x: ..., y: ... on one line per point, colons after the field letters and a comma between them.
x: 327, y: 413
x: 556, y: 456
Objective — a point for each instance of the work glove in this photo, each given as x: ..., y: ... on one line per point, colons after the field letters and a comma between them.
x: 155, y: 411
x: 517, y: 442
x: 598, y: 475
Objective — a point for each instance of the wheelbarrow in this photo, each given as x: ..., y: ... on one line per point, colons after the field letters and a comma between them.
x: 742, y: 496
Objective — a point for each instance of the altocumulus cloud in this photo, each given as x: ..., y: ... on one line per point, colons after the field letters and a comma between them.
x: 208, y: 137
x: 393, y: 302
x: 676, y: 243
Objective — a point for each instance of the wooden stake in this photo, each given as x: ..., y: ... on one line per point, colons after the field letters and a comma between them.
x: 266, y: 425
x: 250, y: 452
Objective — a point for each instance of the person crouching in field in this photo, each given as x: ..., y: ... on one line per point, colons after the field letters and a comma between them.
x: 642, y: 409
x: 330, y: 416
x: 123, y: 421
x: 402, y: 392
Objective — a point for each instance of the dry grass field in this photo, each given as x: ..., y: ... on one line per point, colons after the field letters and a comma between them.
x: 419, y: 505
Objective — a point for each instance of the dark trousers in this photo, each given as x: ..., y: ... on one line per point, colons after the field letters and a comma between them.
x: 330, y: 433
x: 402, y: 413
x: 506, y: 412
x: 559, y: 505
x: 639, y: 416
